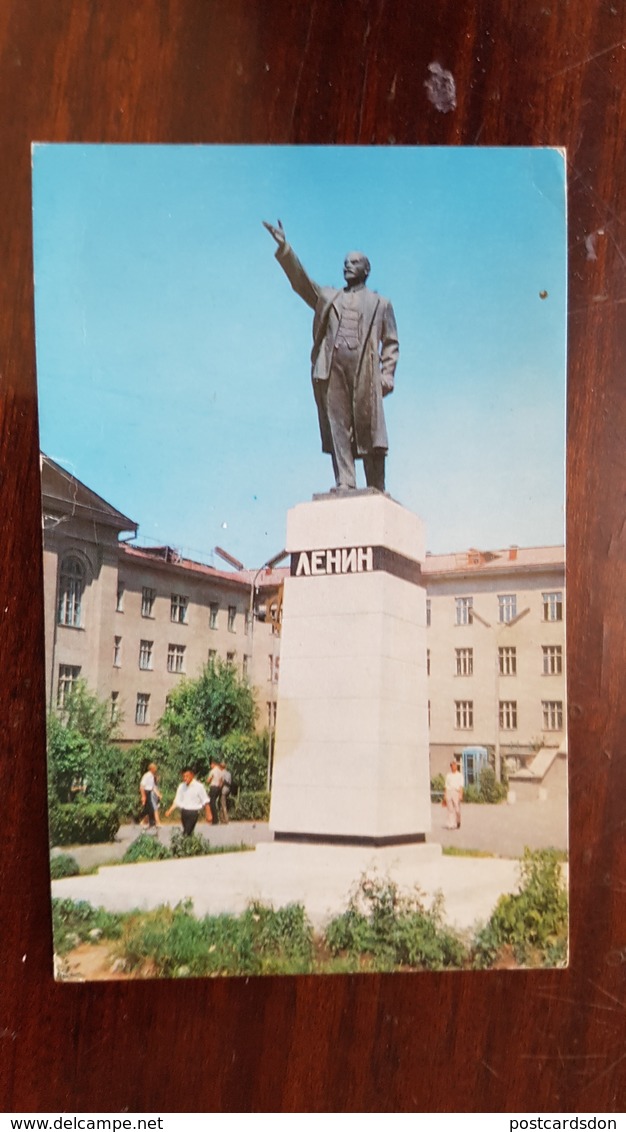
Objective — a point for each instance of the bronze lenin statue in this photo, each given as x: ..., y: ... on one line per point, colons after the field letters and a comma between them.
x: 353, y: 362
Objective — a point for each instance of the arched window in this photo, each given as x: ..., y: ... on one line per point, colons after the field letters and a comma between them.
x: 71, y: 587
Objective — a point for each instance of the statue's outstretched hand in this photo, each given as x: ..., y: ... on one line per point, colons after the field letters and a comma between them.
x: 277, y: 233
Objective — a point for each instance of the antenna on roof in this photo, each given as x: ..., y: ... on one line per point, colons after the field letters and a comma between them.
x: 229, y: 558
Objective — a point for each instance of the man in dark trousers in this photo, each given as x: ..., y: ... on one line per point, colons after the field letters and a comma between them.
x: 354, y: 357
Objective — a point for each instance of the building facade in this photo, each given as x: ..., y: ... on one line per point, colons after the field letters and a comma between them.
x: 496, y: 652
x: 132, y: 622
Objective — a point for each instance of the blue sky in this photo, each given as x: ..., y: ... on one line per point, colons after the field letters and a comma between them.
x: 173, y: 356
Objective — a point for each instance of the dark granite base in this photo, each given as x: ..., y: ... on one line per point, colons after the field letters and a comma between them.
x: 347, y: 839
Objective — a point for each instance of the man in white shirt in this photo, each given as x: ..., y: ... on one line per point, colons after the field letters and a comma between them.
x: 215, y: 781
x: 190, y: 798
x: 454, y: 796
x: 146, y: 788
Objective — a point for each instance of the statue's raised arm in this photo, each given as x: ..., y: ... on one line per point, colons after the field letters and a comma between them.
x: 277, y: 233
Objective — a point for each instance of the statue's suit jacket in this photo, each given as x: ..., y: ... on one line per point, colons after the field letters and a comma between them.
x: 377, y: 355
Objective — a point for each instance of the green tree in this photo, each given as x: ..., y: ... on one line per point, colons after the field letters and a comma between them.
x: 82, y: 756
x: 68, y: 760
x: 211, y: 717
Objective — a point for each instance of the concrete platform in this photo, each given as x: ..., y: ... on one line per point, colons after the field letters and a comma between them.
x: 320, y: 877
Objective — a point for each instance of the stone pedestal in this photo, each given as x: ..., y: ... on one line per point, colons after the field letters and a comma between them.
x: 351, y: 753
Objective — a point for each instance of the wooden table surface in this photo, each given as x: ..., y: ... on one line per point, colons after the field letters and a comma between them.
x: 527, y: 72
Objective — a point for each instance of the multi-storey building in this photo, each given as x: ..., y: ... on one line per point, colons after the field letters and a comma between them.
x: 133, y: 621
x: 496, y: 651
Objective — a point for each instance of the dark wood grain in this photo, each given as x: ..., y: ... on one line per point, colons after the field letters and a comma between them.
x: 528, y: 72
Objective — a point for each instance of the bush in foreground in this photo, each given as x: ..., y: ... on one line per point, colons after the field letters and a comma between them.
x: 383, y: 929
x: 73, y: 921
x: 261, y: 941
x: 146, y: 847
x: 531, y: 922
x: 63, y: 866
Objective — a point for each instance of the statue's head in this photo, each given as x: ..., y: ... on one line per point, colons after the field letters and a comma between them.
x: 356, y: 268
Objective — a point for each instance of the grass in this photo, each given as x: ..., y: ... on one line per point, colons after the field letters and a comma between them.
x: 456, y: 851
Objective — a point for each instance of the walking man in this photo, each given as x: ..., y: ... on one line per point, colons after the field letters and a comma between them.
x: 215, y: 781
x: 227, y: 780
x: 190, y: 798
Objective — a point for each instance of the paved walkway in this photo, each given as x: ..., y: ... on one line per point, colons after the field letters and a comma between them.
x: 501, y: 830
x: 505, y: 830
x: 235, y: 833
x: 322, y: 877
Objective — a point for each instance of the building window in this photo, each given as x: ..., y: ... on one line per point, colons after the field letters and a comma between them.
x: 274, y: 668
x: 141, y: 708
x: 428, y: 611
x: 175, y: 658
x: 147, y: 601
x: 245, y: 671
x: 464, y: 662
x: 230, y: 658
x: 464, y: 610
x: 428, y: 662
x: 552, y: 715
x: 71, y: 587
x: 115, y: 707
x: 232, y: 613
x: 464, y: 714
x: 271, y: 714
x: 429, y: 713
x: 552, y: 660
x: 507, y: 661
x: 117, y: 652
x: 507, y: 608
x: 119, y: 601
x: 145, y: 654
x: 178, y: 609
x: 68, y: 675
x: 508, y: 715
x: 553, y: 606
x: 212, y: 656
x: 213, y: 612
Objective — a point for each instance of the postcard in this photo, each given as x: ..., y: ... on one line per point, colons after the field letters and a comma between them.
x: 302, y: 416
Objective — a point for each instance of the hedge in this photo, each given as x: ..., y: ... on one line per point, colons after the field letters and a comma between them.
x: 251, y: 806
x: 63, y: 866
x: 84, y: 823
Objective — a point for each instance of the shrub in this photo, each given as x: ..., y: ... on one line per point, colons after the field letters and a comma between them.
x: 192, y: 846
x: 261, y: 941
x: 83, y: 823
x: 63, y: 866
x: 146, y: 847
x: 437, y: 787
x: 251, y: 806
x: 73, y: 920
x: 384, y: 928
x: 532, y: 921
x: 488, y: 790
